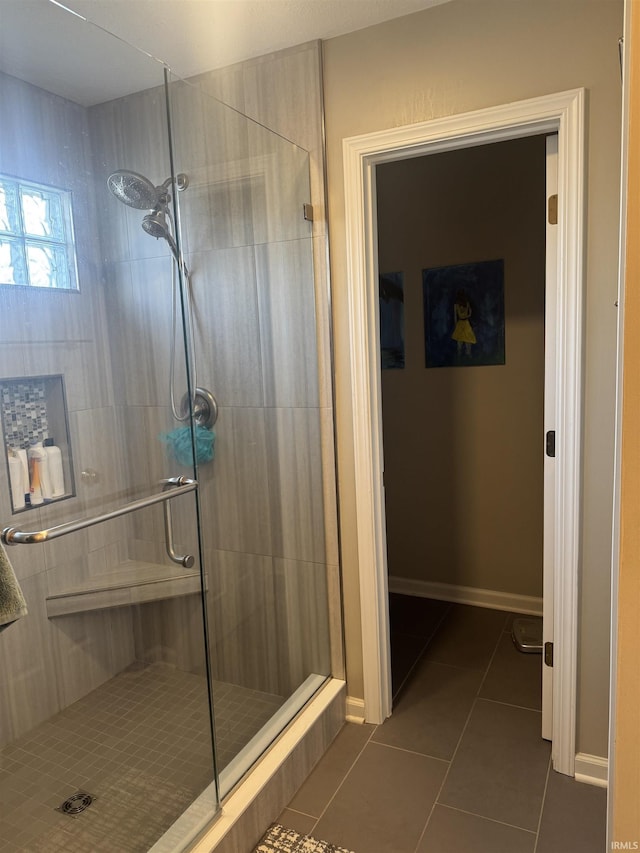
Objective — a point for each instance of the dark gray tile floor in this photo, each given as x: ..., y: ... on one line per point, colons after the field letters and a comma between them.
x: 460, y: 766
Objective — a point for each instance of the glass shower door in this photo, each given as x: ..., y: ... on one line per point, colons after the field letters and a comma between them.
x: 249, y: 251
x: 105, y: 700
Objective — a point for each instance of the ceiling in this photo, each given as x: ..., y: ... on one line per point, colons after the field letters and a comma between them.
x: 47, y: 46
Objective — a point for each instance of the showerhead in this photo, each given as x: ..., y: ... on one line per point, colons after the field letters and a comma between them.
x: 137, y: 191
x: 134, y: 190
x: 156, y: 224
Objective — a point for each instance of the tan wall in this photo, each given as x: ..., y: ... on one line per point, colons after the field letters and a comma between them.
x: 463, y: 56
x: 463, y: 446
x: 626, y: 807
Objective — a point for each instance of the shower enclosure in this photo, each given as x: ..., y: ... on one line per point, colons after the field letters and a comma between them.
x: 164, y: 351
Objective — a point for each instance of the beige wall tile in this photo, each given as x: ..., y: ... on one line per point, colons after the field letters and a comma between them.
x: 235, y: 496
x: 295, y: 483
x: 287, y: 323
x: 171, y: 631
x: 284, y: 92
x: 143, y: 450
x: 242, y: 614
x: 228, y: 334
x: 224, y: 84
x: 26, y: 560
x: 302, y: 620
x: 29, y: 667
x: 139, y: 306
x: 121, y: 132
x: 96, y: 444
x: 284, y: 169
x: 82, y: 646
x: 121, y: 638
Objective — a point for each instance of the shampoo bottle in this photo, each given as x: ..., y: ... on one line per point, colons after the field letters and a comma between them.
x: 22, y: 456
x: 16, y: 478
x: 56, y: 473
x: 39, y: 474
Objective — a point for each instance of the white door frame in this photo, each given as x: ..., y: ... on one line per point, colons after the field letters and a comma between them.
x: 549, y: 463
x: 561, y: 113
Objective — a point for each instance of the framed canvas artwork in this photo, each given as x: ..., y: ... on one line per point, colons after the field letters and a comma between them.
x: 464, y: 314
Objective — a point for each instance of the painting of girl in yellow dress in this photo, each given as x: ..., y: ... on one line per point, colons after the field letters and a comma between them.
x: 463, y: 332
x: 464, y: 314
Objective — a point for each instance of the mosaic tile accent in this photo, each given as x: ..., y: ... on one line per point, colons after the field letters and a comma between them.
x: 24, y: 412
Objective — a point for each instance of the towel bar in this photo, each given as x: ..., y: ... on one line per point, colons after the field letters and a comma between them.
x: 173, y: 487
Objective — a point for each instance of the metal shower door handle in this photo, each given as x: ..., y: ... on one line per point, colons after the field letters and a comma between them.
x: 187, y: 560
x: 178, y: 485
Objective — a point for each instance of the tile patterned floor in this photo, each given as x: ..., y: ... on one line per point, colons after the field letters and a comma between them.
x: 140, y: 744
x: 460, y: 766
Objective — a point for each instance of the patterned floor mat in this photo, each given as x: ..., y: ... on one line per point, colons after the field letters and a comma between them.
x: 279, y: 839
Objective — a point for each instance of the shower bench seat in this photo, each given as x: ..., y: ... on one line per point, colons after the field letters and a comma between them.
x: 132, y: 582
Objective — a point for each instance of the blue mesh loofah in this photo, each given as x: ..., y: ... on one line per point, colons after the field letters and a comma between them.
x: 179, y: 443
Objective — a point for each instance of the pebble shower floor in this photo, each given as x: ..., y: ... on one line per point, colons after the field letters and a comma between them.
x: 139, y: 744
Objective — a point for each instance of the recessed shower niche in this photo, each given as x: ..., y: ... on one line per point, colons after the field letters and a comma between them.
x: 36, y: 439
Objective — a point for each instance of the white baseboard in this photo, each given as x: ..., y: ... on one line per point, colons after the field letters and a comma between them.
x: 490, y: 598
x: 355, y: 710
x: 592, y: 770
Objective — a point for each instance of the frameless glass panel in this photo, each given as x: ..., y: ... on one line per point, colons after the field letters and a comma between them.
x: 249, y: 253
x: 105, y: 716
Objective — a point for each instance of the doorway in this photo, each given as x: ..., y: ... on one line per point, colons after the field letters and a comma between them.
x: 562, y: 113
x: 461, y: 248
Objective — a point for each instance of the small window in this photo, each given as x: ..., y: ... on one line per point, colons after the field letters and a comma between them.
x: 36, y: 235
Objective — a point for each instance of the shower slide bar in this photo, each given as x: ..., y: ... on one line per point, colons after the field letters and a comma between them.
x: 172, y: 488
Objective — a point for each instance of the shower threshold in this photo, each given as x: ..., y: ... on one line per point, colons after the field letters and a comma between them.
x: 202, y: 811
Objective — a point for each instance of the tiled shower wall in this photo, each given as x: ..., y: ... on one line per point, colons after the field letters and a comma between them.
x: 260, y: 292
x: 47, y: 664
x: 269, y: 557
x: 283, y: 91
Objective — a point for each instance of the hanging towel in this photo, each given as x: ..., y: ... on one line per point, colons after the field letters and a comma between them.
x: 12, y: 603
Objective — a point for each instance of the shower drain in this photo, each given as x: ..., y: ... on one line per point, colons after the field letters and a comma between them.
x: 76, y: 803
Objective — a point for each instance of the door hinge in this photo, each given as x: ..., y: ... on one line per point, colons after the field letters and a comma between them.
x: 307, y: 212
x: 548, y: 654
x: 551, y: 443
x: 553, y: 209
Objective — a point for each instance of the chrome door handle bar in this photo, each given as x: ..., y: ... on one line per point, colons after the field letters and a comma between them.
x: 177, y: 485
x: 185, y: 560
